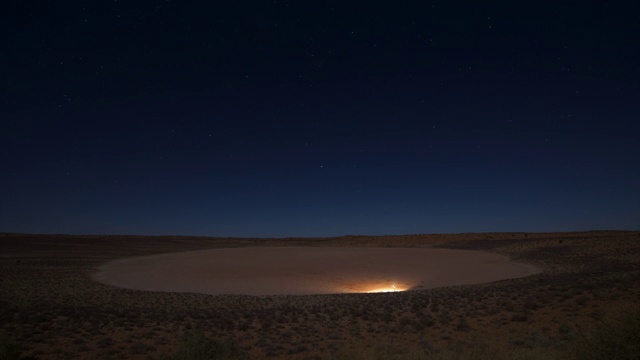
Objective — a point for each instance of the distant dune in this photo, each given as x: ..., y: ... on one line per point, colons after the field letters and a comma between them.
x: 309, y: 270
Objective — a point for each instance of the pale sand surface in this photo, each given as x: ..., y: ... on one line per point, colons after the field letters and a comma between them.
x: 309, y: 270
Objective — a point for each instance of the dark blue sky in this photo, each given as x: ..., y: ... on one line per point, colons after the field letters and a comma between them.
x: 278, y: 118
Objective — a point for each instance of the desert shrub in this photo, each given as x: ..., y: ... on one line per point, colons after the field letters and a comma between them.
x: 427, y: 320
x: 445, y: 317
x: 273, y: 350
x: 531, y: 341
x: 139, y: 348
x: 84, y: 348
x: 460, y: 351
x: 9, y: 350
x: 614, y: 338
x: 564, y: 329
x: 298, y: 349
x: 463, y: 325
x: 405, y: 321
x: 354, y: 330
x: 196, y: 346
x: 521, y: 317
x: 105, y: 342
x: 582, y: 300
x: 161, y: 340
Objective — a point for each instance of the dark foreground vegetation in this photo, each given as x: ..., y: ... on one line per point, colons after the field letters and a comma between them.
x: 584, y: 306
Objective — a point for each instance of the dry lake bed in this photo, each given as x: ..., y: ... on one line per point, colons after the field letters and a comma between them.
x: 306, y: 271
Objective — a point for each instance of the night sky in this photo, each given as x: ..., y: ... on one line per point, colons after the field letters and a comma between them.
x: 297, y: 118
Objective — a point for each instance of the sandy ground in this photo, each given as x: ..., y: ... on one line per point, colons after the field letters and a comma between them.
x: 305, y: 270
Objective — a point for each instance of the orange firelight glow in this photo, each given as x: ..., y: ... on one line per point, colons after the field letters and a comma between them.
x: 392, y: 288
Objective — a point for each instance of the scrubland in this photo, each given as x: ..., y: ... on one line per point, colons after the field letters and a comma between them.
x: 584, y: 305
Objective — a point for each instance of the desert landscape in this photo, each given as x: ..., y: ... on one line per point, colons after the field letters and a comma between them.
x: 451, y: 296
x: 319, y: 180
